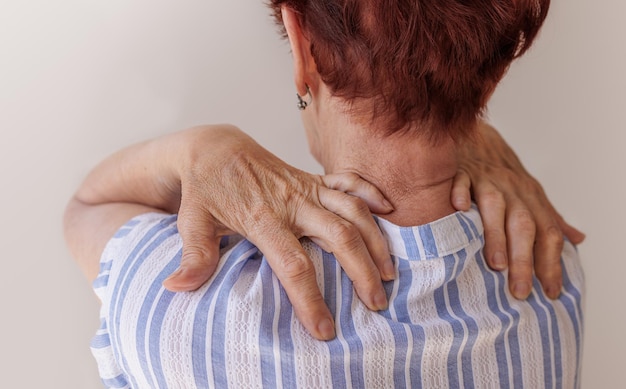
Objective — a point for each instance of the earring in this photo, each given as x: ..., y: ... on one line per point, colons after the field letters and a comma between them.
x: 303, y: 104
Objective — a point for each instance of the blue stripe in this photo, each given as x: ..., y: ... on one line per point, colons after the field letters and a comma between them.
x: 117, y: 382
x: 126, y: 228
x: 463, y: 222
x: 457, y: 329
x: 287, y: 357
x: 201, y: 318
x: 218, y: 338
x: 101, y: 282
x: 555, y: 343
x: 355, y: 346
x: 266, y: 330
x: 156, y: 324
x: 489, y: 279
x: 100, y: 341
x: 472, y: 327
x: 410, y: 243
x: 428, y: 240
x: 106, y: 266
x: 122, y: 232
x: 140, y: 332
x: 513, y: 336
x: 133, y: 222
x: 398, y: 303
x: 398, y: 328
x: 335, y: 348
x: 572, y: 307
x: 471, y: 224
x: 543, y: 319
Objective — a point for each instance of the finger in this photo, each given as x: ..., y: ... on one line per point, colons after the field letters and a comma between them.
x: 460, y: 196
x: 200, y: 251
x: 353, y: 184
x: 521, y: 229
x: 548, y: 248
x: 573, y: 234
x: 343, y: 239
x: 296, y: 273
x: 353, y: 210
x: 492, y: 208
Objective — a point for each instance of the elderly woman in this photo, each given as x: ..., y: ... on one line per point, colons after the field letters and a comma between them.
x: 391, y: 92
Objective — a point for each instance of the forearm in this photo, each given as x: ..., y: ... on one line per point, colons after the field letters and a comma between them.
x: 138, y: 174
x: 142, y: 178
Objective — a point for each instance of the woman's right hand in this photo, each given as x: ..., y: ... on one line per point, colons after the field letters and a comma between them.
x: 229, y: 183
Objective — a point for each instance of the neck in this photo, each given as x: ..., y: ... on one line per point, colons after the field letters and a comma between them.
x: 413, y: 174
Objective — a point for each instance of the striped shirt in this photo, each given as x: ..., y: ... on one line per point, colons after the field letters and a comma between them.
x: 451, y: 322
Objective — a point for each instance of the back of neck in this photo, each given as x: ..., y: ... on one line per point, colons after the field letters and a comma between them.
x: 413, y: 174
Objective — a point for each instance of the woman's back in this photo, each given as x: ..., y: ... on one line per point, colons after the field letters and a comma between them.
x: 451, y: 321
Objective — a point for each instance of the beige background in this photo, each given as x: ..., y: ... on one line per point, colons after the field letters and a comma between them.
x: 81, y: 78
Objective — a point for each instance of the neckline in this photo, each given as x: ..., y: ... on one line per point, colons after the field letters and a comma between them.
x: 436, y: 239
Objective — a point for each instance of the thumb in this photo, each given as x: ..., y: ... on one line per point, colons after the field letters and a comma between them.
x: 460, y: 195
x: 200, y: 252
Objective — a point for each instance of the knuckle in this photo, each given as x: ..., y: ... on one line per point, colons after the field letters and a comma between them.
x: 345, y: 233
x: 523, y: 265
x: 186, y: 220
x: 523, y: 221
x: 549, y: 273
x: 367, y: 280
x: 525, y: 184
x: 553, y: 235
x: 533, y: 183
x: 196, y: 254
x: 295, y: 267
x: 356, y: 206
x: 493, y: 196
x: 259, y: 219
x: 352, y: 179
x: 495, y: 234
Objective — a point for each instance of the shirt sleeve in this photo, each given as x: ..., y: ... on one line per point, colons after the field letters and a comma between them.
x: 117, y: 251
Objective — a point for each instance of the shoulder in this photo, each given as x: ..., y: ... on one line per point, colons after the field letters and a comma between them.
x: 131, y: 244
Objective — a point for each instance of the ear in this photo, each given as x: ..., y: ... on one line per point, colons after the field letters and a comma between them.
x: 305, y: 69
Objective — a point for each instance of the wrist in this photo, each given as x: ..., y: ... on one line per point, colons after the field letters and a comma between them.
x: 192, y: 155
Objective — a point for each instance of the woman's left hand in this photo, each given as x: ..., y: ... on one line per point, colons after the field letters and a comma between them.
x: 523, y: 231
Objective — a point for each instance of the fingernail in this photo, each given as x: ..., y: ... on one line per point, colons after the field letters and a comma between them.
x: 460, y: 202
x: 380, y: 300
x: 553, y: 291
x: 326, y: 329
x: 389, y: 270
x: 521, y: 290
x: 176, y: 273
x: 499, y: 261
x: 387, y: 205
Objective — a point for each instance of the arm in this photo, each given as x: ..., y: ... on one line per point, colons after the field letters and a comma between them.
x: 220, y: 180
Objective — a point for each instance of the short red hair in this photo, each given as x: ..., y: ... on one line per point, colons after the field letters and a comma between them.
x: 430, y: 62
